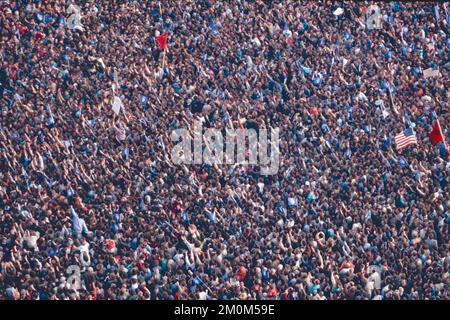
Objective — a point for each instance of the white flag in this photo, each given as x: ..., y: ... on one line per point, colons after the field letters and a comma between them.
x: 117, y: 105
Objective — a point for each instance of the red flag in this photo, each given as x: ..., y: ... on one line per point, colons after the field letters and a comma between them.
x: 436, y: 135
x: 162, y: 41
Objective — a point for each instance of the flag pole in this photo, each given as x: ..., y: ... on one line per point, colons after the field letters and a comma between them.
x: 164, y: 57
x: 161, y: 18
x: 392, y: 101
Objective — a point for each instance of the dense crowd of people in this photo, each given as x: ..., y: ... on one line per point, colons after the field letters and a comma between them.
x: 92, y: 207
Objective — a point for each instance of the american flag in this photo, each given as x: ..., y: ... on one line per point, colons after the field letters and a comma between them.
x: 405, y: 138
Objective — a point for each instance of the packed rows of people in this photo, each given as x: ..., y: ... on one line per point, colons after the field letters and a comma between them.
x: 93, y: 207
